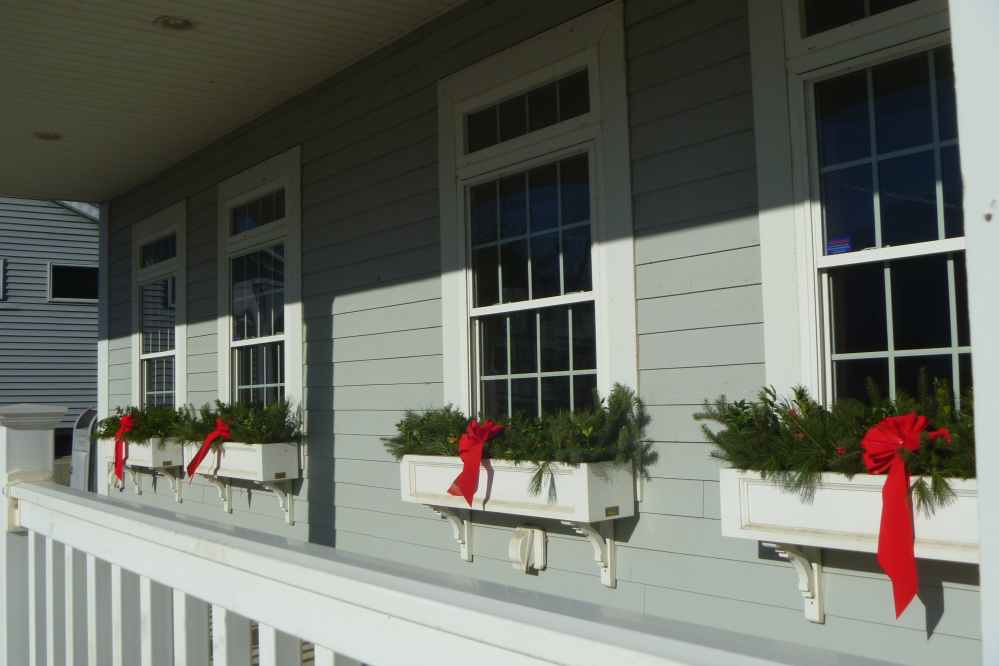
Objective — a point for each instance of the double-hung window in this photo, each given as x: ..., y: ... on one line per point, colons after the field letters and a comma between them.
x: 159, y: 341
x: 537, y: 251
x: 259, y: 278
x: 878, y: 217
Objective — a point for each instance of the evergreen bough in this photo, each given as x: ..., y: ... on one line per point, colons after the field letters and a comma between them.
x: 611, y: 432
x: 250, y: 423
x: 793, y: 440
x: 152, y: 422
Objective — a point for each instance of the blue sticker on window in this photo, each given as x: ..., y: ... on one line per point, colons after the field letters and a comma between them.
x: 838, y: 245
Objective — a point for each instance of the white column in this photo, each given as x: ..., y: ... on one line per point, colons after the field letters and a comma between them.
x: 975, y: 37
x: 27, y: 442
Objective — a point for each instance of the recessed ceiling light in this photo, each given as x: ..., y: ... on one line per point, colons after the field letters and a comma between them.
x: 48, y: 136
x: 175, y: 23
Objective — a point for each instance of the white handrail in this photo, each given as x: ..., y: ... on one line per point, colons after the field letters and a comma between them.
x: 372, y: 610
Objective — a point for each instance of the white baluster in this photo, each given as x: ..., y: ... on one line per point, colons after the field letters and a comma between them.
x: 36, y: 610
x: 55, y: 647
x: 278, y: 648
x: 190, y: 630
x: 75, y: 593
x: 124, y: 620
x: 155, y: 623
x: 98, y: 611
x: 230, y: 638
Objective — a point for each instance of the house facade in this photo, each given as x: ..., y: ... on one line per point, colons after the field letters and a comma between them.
x: 518, y: 202
x: 48, y: 333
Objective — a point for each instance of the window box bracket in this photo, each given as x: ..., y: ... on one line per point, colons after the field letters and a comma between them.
x: 601, y: 535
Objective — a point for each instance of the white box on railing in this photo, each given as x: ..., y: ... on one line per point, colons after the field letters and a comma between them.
x: 149, y: 454
x: 590, y: 493
x: 251, y: 462
x: 845, y: 514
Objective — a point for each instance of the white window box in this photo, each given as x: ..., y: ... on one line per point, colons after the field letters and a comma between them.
x: 273, y: 466
x: 588, y: 494
x: 592, y: 493
x: 160, y: 456
x: 843, y: 514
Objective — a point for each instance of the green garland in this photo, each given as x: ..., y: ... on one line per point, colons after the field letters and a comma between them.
x: 153, y: 422
x: 614, y: 432
x: 793, y: 440
x: 248, y: 422
x: 251, y: 423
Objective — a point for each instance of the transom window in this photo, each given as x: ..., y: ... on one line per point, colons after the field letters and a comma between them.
x: 158, y: 251
x: 891, y: 203
x: 822, y: 15
x: 256, y: 213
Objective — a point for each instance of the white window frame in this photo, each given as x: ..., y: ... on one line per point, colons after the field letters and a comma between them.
x: 785, y: 65
x: 69, y: 264
x: 280, y: 171
x: 595, y: 40
x: 170, y: 220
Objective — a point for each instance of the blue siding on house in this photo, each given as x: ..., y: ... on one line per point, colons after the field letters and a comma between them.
x: 48, y: 350
x: 372, y: 315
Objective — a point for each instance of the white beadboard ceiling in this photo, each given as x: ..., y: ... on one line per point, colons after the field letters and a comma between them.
x: 130, y: 98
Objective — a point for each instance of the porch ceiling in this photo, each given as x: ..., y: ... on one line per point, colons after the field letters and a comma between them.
x: 129, y: 97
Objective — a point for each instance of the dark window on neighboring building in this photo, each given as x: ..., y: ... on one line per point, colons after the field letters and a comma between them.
x: 78, y: 283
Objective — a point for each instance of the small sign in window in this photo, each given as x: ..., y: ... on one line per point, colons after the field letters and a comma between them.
x: 75, y: 283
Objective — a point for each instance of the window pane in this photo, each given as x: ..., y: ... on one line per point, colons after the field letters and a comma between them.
x: 543, y: 182
x: 158, y: 315
x: 545, y: 266
x: 822, y: 15
x: 848, y: 209
x: 524, y: 396
x: 514, y: 266
x: 555, y: 395
x: 908, y: 199
x: 953, y: 192
x: 482, y: 201
x: 574, y: 95
x: 964, y: 371
x: 513, y: 118
x: 575, y: 189
x: 907, y: 370
x: 584, y: 337
x: 74, y: 282
x: 492, y: 344
x: 920, y: 303
x: 961, y: 291
x: 523, y: 342
x: 946, y: 97
x: 159, y: 250
x: 483, y: 129
x: 555, y: 340
x: 485, y: 267
x: 902, y: 111
x: 843, y: 121
x: 513, y: 206
x: 576, y: 260
x: 542, y: 107
x: 582, y: 389
x: 495, y: 401
x: 859, y: 309
x: 850, y: 377
x: 258, y: 293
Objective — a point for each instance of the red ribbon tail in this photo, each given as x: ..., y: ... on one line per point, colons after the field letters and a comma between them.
x: 467, y: 482
x: 896, y: 550
x: 120, y: 455
x: 192, y: 466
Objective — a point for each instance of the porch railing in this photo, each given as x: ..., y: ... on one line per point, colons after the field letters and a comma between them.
x: 89, y: 580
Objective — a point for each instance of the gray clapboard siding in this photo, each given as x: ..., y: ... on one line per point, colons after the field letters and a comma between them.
x: 48, y: 350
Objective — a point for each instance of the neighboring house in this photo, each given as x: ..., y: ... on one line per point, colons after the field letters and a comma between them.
x: 48, y: 300
x: 692, y: 198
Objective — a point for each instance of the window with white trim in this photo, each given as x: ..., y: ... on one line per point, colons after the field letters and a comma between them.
x: 537, y: 246
x: 72, y: 282
x: 159, y: 342
x: 880, y: 222
x: 259, y: 283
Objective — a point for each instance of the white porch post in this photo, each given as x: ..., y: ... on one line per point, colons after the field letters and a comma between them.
x: 975, y: 36
x: 27, y: 442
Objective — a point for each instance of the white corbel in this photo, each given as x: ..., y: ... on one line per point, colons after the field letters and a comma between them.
x: 461, y: 523
x: 224, y: 488
x: 601, y: 535
x: 136, y: 475
x: 285, y: 498
x: 807, y: 562
x: 176, y: 479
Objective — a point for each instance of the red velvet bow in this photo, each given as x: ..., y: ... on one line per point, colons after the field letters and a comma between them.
x: 121, y: 445
x: 221, y: 432
x: 470, y: 450
x: 882, y: 451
